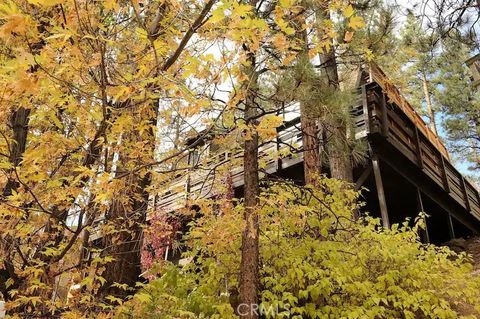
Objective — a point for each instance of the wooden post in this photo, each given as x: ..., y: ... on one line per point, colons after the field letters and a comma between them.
x: 446, y: 186
x: 366, y: 112
x: 383, y: 105
x: 424, y: 234
x: 450, y: 226
x: 363, y: 177
x: 465, y: 193
x: 380, y: 192
x: 478, y: 195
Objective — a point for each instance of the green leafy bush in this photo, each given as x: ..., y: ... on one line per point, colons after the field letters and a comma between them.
x: 316, y: 262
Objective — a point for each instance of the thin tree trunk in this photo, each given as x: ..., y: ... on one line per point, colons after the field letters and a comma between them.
x: 249, y: 281
x: 249, y: 266
x: 308, y: 121
x: 428, y: 101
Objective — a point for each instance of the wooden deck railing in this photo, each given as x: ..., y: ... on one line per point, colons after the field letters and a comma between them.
x: 396, y: 97
x: 387, y: 118
x: 200, y: 183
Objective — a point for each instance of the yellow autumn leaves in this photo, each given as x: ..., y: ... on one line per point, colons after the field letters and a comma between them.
x: 14, y: 20
x: 355, y: 22
x: 45, y: 3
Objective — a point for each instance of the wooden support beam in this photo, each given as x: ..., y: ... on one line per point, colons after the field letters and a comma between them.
x: 477, y: 194
x: 380, y: 191
x: 424, y: 233
x: 418, y: 148
x: 384, y: 119
x: 363, y: 177
x: 366, y: 111
x: 465, y: 193
x: 446, y: 185
x: 450, y: 227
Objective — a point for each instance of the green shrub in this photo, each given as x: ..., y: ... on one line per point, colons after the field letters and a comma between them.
x: 316, y: 262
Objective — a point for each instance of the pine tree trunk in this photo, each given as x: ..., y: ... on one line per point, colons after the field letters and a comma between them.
x: 338, y: 153
x: 309, y: 127
x: 337, y: 149
x: 428, y: 101
x: 340, y: 160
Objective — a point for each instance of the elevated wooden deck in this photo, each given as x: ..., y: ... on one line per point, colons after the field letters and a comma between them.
x: 395, y: 133
x: 397, y: 140
x: 393, y: 94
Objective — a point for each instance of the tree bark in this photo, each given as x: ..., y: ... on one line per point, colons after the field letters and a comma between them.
x: 339, y: 155
x: 249, y: 281
x: 19, y: 126
x: 308, y: 121
x: 249, y: 266
x: 125, y: 245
